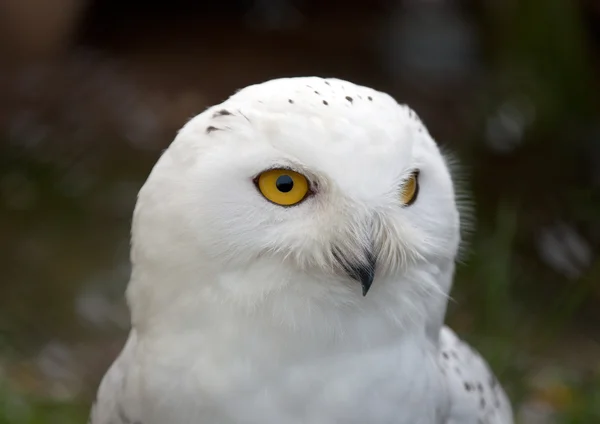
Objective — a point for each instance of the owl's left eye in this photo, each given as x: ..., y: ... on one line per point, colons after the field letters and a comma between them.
x: 283, y: 187
x: 410, y: 189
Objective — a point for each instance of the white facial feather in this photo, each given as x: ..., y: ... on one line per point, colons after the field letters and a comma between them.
x: 201, y: 217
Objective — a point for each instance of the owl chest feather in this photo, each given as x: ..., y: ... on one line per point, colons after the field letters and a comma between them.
x: 264, y: 380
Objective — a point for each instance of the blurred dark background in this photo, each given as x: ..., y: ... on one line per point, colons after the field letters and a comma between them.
x: 92, y: 91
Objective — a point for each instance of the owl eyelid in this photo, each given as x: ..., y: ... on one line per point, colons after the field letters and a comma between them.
x: 415, y: 172
x: 279, y: 167
x: 309, y: 178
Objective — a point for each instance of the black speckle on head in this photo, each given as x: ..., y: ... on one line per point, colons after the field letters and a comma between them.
x: 325, y: 102
x: 350, y: 99
x: 211, y: 129
x: 290, y: 101
x: 222, y: 112
x: 370, y: 98
x: 445, y: 355
x: 468, y: 387
x: 240, y: 112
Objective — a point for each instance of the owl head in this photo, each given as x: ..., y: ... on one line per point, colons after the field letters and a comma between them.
x: 308, y: 191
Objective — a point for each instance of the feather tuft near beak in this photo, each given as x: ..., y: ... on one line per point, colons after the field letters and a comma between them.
x: 361, y: 271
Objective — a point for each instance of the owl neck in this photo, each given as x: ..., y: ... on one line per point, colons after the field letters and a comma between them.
x: 289, y: 304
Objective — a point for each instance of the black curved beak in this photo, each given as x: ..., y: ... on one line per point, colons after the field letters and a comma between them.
x: 363, y: 271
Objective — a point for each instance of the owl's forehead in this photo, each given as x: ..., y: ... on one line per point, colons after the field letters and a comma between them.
x: 332, y: 114
x: 325, y: 97
x: 321, y: 123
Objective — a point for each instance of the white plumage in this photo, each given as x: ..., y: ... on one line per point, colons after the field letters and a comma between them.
x: 245, y: 311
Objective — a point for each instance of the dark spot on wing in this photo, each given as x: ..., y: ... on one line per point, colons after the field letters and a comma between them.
x: 482, y: 403
x: 211, y: 129
x: 325, y: 102
x: 316, y: 92
x: 370, y: 98
x: 479, y: 387
x: 350, y: 99
x: 457, y: 370
x: 327, y: 83
x: 222, y: 112
x: 291, y: 101
x: 468, y: 387
x: 445, y: 355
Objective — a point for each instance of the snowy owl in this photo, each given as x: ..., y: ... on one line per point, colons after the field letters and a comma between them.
x: 293, y: 251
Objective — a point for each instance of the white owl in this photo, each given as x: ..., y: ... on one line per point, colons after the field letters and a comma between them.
x: 293, y: 251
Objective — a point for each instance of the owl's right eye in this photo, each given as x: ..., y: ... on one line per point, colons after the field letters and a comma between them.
x: 283, y: 187
x: 410, y: 190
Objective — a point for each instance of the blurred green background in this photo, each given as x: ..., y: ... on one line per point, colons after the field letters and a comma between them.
x: 92, y: 91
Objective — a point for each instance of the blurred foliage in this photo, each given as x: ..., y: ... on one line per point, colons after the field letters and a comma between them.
x: 18, y: 409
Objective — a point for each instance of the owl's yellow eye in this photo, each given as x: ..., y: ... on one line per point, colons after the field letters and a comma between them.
x: 410, y: 189
x: 283, y: 186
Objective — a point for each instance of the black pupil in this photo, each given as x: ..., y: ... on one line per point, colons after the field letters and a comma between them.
x: 284, y: 183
